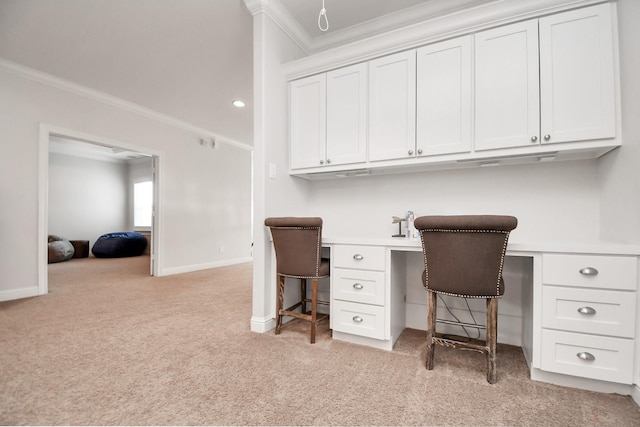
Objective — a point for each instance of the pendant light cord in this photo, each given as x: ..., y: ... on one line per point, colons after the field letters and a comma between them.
x: 323, y: 14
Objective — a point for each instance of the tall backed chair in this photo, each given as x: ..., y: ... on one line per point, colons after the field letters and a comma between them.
x: 298, y: 246
x: 464, y: 257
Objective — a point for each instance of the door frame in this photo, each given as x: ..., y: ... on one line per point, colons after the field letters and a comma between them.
x: 46, y: 132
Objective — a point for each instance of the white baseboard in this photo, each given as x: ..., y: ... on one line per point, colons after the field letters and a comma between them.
x: 635, y: 393
x: 205, y: 266
x: 262, y: 324
x: 582, y: 383
x: 19, y: 293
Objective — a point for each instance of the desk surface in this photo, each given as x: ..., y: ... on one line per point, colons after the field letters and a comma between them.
x: 514, y: 248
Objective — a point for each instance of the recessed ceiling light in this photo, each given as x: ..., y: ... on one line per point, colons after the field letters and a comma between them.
x: 238, y: 103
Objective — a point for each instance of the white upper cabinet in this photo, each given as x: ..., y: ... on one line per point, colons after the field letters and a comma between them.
x: 328, y: 118
x: 562, y: 90
x: 536, y: 89
x: 307, y: 126
x: 392, y: 104
x: 347, y: 115
x: 577, y: 91
x: 444, y: 97
x: 507, y: 112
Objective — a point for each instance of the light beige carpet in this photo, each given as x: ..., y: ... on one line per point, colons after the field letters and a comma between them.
x: 110, y: 345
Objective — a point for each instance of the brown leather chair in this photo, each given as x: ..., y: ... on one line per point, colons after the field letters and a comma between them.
x: 298, y: 245
x: 464, y: 257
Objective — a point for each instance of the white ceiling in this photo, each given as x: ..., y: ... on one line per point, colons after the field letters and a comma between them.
x: 188, y: 59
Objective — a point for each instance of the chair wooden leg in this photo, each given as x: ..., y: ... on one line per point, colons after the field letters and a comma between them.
x: 303, y: 295
x: 279, y: 301
x: 431, y: 327
x: 492, y: 339
x: 314, y: 307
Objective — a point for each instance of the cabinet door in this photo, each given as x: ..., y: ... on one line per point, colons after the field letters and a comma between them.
x: 507, y: 97
x: 444, y: 99
x: 347, y: 115
x: 392, y: 103
x: 577, y: 75
x: 307, y: 107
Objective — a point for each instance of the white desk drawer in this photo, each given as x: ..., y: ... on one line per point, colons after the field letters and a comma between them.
x: 358, y: 286
x: 608, y: 272
x: 591, y: 311
x: 358, y: 319
x: 361, y: 257
x: 603, y: 358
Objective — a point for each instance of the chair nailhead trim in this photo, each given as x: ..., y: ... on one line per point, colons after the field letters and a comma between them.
x: 318, y: 249
x: 504, y: 251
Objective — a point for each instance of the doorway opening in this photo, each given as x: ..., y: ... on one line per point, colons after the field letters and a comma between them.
x: 87, y: 189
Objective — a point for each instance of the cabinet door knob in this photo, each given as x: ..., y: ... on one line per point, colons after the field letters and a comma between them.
x: 411, y: 152
x: 322, y: 162
x: 358, y: 257
x: 547, y: 137
x: 587, y: 310
x: 357, y: 319
x: 534, y: 138
x: 589, y: 271
x: 328, y: 161
x: 585, y: 355
x: 419, y: 150
x: 358, y: 286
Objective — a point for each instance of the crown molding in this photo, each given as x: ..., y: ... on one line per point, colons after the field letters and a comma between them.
x: 451, y: 24
x: 283, y: 19
x: 68, y: 86
x: 401, y: 18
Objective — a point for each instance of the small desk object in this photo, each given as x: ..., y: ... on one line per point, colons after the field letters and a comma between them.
x: 578, y: 304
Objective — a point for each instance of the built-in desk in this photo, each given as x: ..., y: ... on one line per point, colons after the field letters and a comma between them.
x: 577, y: 301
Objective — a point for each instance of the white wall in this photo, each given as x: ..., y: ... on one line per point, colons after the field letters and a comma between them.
x: 205, y: 194
x: 87, y: 197
x: 620, y: 174
x: 553, y: 201
x: 282, y: 195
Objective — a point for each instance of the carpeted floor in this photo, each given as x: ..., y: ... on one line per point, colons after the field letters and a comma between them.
x: 110, y: 345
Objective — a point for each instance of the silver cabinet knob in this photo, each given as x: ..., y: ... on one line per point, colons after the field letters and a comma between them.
x: 358, y: 286
x: 589, y: 271
x: 328, y: 161
x: 358, y: 257
x: 419, y: 150
x: 357, y: 319
x: 322, y: 162
x: 547, y: 137
x: 590, y: 311
x: 585, y: 355
x: 534, y: 138
x: 411, y: 152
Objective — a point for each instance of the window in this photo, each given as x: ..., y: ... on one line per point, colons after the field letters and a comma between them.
x: 142, y: 204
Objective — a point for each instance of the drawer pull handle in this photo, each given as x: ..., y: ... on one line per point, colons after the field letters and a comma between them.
x: 358, y: 257
x: 587, y: 310
x: 357, y: 319
x: 584, y: 355
x: 589, y: 271
x: 358, y: 286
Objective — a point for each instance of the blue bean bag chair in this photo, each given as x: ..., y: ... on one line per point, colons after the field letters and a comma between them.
x: 119, y: 245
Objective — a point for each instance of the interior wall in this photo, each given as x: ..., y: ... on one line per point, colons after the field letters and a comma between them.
x: 619, y: 173
x: 87, y: 198
x: 620, y: 176
x: 552, y: 201
x: 205, y: 194
x: 276, y: 194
